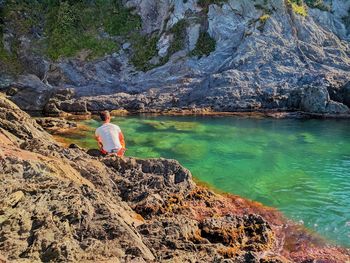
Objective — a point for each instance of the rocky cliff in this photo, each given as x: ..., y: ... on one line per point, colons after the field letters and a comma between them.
x: 62, y: 205
x: 150, y: 55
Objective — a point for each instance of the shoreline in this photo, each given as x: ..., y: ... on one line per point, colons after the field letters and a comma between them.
x: 274, y: 114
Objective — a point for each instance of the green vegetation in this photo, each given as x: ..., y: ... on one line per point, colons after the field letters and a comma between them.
x: 145, y: 47
x: 66, y: 35
x: 178, y: 42
x: 205, y: 3
x: 262, y: 19
x: 8, y: 61
x: 318, y: 4
x: 298, y: 7
x: 205, y: 45
x: 264, y: 8
x: 179, y: 33
x: 72, y: 26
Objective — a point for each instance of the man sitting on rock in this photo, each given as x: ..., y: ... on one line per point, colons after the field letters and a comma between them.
x: 109, y: 136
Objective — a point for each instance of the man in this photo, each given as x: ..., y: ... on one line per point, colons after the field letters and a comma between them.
x: 109, y: 137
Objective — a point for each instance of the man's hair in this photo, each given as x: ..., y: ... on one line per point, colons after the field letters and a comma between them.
x: 104, y: 115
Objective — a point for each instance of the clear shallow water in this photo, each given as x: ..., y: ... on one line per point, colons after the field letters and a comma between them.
x: 301, y: 167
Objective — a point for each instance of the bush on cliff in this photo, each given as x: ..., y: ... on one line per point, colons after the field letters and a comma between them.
x: 145, y: 47
x: 318, y: 4
x: 71, y: 26
x: 204, y: 46
x: 298, y: 7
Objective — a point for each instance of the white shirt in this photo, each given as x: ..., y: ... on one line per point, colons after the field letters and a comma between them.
x: 109, y: 136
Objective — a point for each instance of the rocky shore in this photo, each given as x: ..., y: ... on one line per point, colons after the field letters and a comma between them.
x: 279, y: 55
x: 63, y: 205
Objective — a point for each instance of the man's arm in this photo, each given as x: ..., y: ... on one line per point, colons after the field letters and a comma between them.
x: 121, y: 139
x: 99, y: 142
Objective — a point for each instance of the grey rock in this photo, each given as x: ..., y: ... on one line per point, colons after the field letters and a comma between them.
x: 51, y: 124
x: 19, y: 123
x: 126, y: 45
x: 342, y: 94
x: 163, y: 45
x: 193, y: 35
x: 152, y: 13
x: 30, y: 93
x: 31, y: 61
x: 334, y: 107
x: 317, y: 100
x: 77, y: 107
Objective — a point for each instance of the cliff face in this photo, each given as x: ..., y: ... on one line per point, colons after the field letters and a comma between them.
x: 62, y: 204
x: 224, y: 55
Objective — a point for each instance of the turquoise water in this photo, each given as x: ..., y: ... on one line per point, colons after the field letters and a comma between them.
x: 301, y: 167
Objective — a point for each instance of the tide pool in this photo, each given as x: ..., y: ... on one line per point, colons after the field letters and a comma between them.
x: 301, y: 167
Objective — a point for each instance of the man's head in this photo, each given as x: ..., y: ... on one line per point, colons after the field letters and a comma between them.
x: 105, y: 116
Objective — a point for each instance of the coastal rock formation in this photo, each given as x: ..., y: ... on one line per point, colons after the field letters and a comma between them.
x: 60, y: 204
x: 229, y: 55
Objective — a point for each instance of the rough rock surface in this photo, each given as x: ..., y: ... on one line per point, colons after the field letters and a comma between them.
x: 257, y: 64
x: 63, y: 205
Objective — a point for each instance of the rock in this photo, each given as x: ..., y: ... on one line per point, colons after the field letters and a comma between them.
x: 55, y: 123
x: 155, y: 60
x: 126, y: 45
x: 345, y: 93
x: 221, y: 230
x: 317, y: 100
x: 13, y: 199
x: 30, y: 93
x: 74, y: 107
x: 19, y: 123
x: 163, y: 45
x: 193, y: 35
x: 334, y: 107
x: 152, y: 13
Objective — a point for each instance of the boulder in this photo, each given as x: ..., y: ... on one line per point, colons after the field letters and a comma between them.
x: 19, y: 123
x: 30, y: 93
x: 317, y: 100
x: 334, y: 107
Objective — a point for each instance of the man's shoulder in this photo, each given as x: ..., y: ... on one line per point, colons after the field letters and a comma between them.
x: 114, y: 126
x: 97, y: 130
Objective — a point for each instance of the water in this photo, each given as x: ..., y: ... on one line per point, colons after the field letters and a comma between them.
x: 301, y: 167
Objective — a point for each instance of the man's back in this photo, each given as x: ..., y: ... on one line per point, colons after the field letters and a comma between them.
x: 108, y: 133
